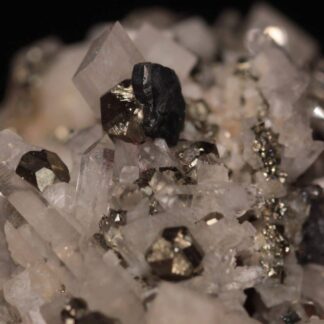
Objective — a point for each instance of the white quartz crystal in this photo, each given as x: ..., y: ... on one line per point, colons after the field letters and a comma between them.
x: 109, y: 60
x: 159, y: 48
x: 300, y: 46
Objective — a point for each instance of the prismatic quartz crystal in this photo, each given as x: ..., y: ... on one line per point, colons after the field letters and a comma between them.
x: 165, y: 170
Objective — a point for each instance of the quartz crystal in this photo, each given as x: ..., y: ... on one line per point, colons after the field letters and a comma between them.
x: 109, y: 61
x: 186, y: 186
x: 155, y: 47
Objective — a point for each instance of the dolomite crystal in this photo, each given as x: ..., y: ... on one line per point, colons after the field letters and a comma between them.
x: 206, y: 168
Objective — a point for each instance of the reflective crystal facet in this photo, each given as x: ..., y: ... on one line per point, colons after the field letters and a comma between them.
x: 42, y: 169
x: 175, y: 255
x: 158, y: 89
x: 122, y: 114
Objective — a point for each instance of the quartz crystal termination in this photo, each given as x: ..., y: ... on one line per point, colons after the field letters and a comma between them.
x: 42, y: 168
x: 110, y: 60
x: 158, y: 89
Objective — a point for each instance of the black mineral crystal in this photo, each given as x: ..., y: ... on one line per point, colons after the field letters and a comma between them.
x: 42, y: 168
x: 175, y: 255
x: 158, y: 89
x: 311, y: 249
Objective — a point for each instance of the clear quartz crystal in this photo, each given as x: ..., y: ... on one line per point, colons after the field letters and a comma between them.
x: 156, y: 47
x: 109, y: 61
x: 94, y: 181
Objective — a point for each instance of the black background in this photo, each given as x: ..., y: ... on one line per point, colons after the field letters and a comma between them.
x: 26, y: 21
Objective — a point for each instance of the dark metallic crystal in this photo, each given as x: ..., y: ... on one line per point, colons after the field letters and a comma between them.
x: 42, y: 168
x: 115, y: 218
x: 190, y: 153
x: 291, y: 318
x: 74, y: 310
x: 311, y: 249
x: 175, y: 255
x: 97, y: 318
x: 158, y: 89
x: 122, y: 114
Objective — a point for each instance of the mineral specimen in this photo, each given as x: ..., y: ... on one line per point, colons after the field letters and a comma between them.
x: 159, y: 90
x: 205, y: 170
x: 42, y: 168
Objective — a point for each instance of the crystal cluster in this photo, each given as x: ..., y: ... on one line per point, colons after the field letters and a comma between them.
x: 165, y: 170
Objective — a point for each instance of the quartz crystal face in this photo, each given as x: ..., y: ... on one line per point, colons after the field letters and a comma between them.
x: 158, y: 89
x: 122, y: 114
x: 175, y: 255
x: 42, y: 168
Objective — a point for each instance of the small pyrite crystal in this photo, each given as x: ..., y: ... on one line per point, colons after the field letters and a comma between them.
x: 187, y: 186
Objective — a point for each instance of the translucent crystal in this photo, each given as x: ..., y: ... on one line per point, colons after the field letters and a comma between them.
x: 300, y: 46
x: 93, y: 186
x: 109, y: 61
x: 155, y: 47
x: 195, y: 35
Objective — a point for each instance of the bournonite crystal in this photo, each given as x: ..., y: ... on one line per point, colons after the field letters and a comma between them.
x: 158, y: 89
x: 175, y: 255
x: 42, y: 168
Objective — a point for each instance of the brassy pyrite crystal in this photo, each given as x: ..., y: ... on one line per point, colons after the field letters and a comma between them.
x: 165, y: 170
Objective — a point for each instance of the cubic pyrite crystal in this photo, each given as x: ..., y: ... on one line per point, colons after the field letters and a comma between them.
x: 122, y: 113
x: 175, y: 255
x: 42, y: 168
x: 158, y: 89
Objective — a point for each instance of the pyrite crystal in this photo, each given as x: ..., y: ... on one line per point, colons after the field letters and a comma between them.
x: 158, y: 89
x: 175, y: 255
x: 42, y: 168
x: 74, y: 310
x: 122, y: 114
